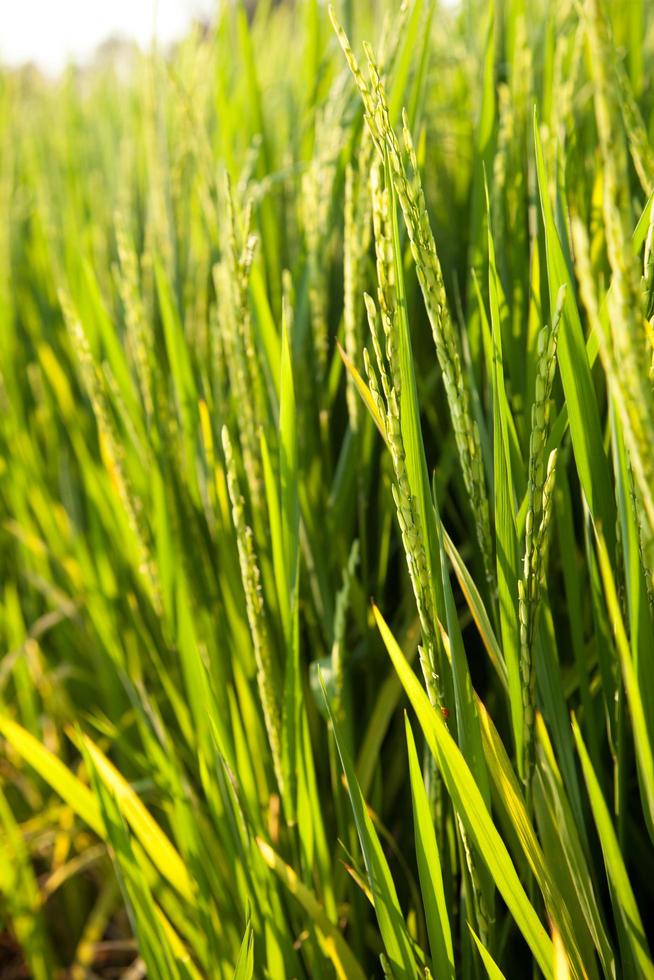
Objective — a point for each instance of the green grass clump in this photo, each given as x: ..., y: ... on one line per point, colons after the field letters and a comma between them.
x: 328, y: 306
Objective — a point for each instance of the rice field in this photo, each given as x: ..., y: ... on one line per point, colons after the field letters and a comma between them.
x: 327, y: 499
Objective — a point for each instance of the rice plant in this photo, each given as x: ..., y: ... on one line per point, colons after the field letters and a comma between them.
x: 327, y: 499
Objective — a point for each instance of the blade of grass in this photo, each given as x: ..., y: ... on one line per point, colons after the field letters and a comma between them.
x: 471, y: 807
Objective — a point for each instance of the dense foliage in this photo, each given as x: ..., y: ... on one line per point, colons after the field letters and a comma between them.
x: 327, y: 499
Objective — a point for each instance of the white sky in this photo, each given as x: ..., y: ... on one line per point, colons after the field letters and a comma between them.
x: 52, y: 32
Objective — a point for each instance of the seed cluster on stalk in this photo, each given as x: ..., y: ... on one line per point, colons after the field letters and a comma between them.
x: 540, y: 486
x: 407, y: 184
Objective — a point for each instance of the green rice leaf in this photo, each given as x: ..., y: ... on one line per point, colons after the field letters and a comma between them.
x: 632, y: 933
x: 470, y: 806
x: 387, y: 907
x: 429, y: 869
